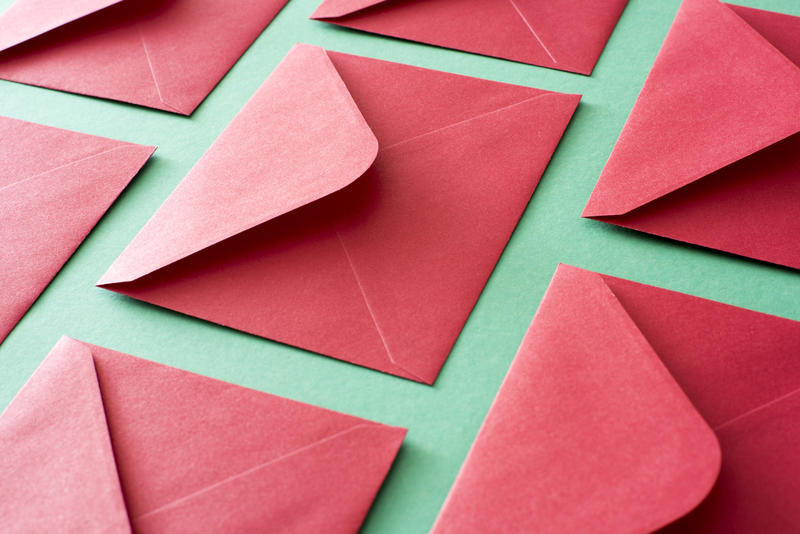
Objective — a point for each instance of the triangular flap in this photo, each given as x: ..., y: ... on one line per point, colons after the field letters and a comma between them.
x: 326, y: 486
x: 26, y: 19
x: 299, y: 138
x: 154, y: 413
x: 588, y: 408
x: 718, y: 92
x: 57, y: 470
x: 44, y: 218
x: 339, y: 8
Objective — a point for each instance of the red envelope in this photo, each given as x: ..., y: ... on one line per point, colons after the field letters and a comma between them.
x: 560, y: 34
x: 354, y: 207
x: 627, y: 407
x: 710, y: 154
x: 54, y: 187
x: 163, y: 54
x: 100, y: 441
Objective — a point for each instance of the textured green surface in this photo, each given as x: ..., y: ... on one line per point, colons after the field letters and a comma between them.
x: 443, y: 419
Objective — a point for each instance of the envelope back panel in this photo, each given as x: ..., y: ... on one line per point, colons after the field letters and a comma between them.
x: 729, y: 360
x: 175, y: 433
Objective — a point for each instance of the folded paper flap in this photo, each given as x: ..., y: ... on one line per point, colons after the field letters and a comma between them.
x: 320, y: 143
x: 27, y: 19
x: 707, y: 466
x: 586, y: 407
x: 715, y: 76
x: 299, y: 138
x: 55, y: 440
x: 339, y: 8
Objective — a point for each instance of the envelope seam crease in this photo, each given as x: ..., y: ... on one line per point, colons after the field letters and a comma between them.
x: 751, y: 411
x: 153, y: 72
x: 369, y: 309
x: 80, y: 160
x: 246, y: 472
x: 475, y: 117
x: 528, y: 24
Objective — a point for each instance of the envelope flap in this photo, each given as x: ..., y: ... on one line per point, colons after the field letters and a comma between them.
x: 26, y: 19
x: 718, y: 92
x: 57, y: 469
x: 318, y: 144
x: 340, y: 8
x: 588, y: 429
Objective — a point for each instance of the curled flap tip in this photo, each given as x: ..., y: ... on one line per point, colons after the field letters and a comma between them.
x: 27, y: 19
x: 330, y: 9
x: 300, y: 138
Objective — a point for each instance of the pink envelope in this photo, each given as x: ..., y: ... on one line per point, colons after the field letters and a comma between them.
x: 629, y: 408
x: 54, y: 187
x: 100, y: 441
x: 354, y: 208
x: 163, y: 54
x: 560, y: 34
x: 710, y: 154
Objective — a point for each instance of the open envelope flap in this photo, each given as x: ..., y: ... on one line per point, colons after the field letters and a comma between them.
x: 251, y: 445
x: 318, y: 144
x: 26, y: 19
x: 589, y: 432
x: 563, y: 34
x: 718, y: 92
x: 57, y: 469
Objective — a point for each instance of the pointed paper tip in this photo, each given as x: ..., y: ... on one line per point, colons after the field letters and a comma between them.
x: 330, y: 9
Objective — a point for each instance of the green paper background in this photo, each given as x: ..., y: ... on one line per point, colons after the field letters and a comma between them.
x: 443, y: 419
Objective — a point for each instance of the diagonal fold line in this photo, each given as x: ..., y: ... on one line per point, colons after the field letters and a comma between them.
x: 48, y: 171
x: 153, y: 72
x: 533, y: 32
x: 475, y: 117
x: 205, y: 489
x: 756, y: 409
x: 372, y: 313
